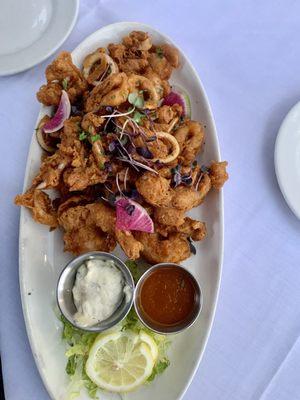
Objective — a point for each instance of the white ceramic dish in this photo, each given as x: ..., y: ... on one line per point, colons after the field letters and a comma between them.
x: 287, y: 159
x: 42, y: 257
x: 31, y: 31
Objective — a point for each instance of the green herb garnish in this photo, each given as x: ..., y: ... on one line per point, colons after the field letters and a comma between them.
x: 94, y: 138
x: 159, y: 51
x: 65, y: 83
x: 101, y: 166
x: 137, y: 117
x: 83, y: 135
x: 136, y: 99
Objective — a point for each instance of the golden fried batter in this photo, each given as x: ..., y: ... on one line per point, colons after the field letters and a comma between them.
x: 51, y: 170
x: 169, y: 216
x: 186, y: 198
x: 62, y: 72
x: 70, y: 145
x: 190, y: 137
x: 88, y: 238
x: 102, y: 216
x: 113, y: 91
x: 92, y: 122
x: 131, y: 246
x: 80, y: 178
x: 138, y: 40
x: 218, y: 174
x: 121, y: 141
x: 40, y: 205
x: 163, y: 60
x: 138, y: 83
x: 131, y: 56
x: 157, y: 249
x: 155, y: 189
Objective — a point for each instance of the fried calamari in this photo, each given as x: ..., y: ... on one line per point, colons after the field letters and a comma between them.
x: 122, y: 141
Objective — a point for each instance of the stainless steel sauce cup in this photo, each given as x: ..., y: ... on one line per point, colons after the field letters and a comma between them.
x: 164, y: 328
x: 65, y: 296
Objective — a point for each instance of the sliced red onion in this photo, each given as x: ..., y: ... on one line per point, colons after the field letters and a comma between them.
x: 179, y: 96
x: 62, y: 113
x: 131, y: 216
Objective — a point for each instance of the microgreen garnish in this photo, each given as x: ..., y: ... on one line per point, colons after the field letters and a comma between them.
x: 101, y: 166
x: 144, y: 152
x: 204, y: 169
x: 136, y: 99
x: 192, y: 247
x: 124, y: 140
x: 159, y: 51
x: 65, y: 83
x: 151, y: 139
x: 83, y: 135
x: 94, y: 138
x: 129, y: 208
x: 178, y: 179
x: 137, y: 117
x: 186, y: 179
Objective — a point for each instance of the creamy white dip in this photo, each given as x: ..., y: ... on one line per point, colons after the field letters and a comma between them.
x: 98, y: 291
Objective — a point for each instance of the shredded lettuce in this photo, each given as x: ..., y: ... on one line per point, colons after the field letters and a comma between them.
x: 136, y: 269
x: 79, y: 343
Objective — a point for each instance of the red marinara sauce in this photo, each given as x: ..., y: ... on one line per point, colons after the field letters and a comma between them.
x: 167, y: 296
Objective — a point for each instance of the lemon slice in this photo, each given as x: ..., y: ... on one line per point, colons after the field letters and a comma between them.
x: 121, y: 361
x: 144, y: 337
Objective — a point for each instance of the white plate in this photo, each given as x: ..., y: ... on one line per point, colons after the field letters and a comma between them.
x: 287, y: 159
x: 42, y: 257
x: 31, y: 31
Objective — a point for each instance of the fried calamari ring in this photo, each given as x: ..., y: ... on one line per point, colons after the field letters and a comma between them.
x: 174, y: 146
x: 139, y: 83
x: 113, y: 91
x: 97, y: 66
x: 190, y: 137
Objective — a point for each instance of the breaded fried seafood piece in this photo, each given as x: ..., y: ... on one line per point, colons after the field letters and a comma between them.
x: 122, y: 161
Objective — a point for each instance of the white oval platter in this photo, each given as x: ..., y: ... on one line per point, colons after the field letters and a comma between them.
x: 287, y: 159
x: 42, y: 257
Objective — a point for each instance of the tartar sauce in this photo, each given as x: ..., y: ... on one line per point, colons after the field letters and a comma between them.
x: 98, y: 291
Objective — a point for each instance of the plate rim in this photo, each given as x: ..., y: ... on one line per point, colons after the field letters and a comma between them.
x: 277, y: 149
x: 44, y: 56
x: 221, y: 218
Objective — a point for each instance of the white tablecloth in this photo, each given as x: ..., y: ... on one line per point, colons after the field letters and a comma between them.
x: 247, y: 54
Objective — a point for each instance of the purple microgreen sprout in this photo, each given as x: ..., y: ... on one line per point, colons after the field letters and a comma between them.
x: 204, y: 169
x: 129, y: 208
x: 144, y: 152
x: 192, y: 247
x: 135, y: 164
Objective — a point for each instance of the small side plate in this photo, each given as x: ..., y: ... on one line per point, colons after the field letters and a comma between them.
x: 287, y: 159
x: 32, y: 31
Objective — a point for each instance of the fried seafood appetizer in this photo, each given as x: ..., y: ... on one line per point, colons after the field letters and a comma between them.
x: 121, y: 154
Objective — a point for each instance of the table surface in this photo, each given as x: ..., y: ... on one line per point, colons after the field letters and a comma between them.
x: 247, y: 54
